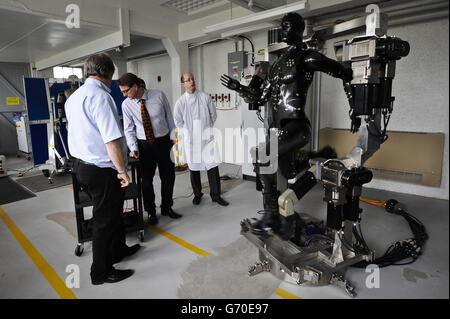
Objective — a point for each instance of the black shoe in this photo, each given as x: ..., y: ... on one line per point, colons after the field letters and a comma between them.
x: 169, y: 212
x: 220, y: 201
x: 128, y: 252
x: 116, y: 275
x: 152, y: 219
x: 132, y: 250
x: 197, y: 199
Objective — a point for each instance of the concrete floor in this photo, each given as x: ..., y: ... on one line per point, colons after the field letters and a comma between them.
x: 171, y: 268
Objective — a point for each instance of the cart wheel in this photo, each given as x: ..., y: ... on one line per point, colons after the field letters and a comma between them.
x: 141, y: 236
x: 79, y: 250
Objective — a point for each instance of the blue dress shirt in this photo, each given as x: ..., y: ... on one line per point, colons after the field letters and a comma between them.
x: 92, y: 122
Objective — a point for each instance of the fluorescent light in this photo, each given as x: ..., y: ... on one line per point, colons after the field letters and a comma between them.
x: 211, y: 6
x: 250, y: 28
x: 256, y: 18
x: 193, y: 6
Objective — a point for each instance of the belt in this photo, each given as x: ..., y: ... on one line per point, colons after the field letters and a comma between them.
x: 157, y: 138
x: 86, y: 163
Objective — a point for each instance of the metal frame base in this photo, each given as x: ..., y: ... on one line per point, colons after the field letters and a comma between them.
x: 318, y: 264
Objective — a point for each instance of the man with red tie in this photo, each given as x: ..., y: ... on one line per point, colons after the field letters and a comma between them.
x: 148, y: 121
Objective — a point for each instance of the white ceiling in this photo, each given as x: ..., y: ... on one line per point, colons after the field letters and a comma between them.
x: 30, y: 32
x: 27, y: 37
x: 156, y: 8
x: 30, y: 35
x: 153, y: 8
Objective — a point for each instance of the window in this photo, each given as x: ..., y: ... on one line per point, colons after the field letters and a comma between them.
x: 60, y: 72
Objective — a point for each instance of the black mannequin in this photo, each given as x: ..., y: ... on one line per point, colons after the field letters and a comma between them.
x: 284, y: 93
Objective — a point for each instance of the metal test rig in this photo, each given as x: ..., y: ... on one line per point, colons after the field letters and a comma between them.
x: 318, y: 252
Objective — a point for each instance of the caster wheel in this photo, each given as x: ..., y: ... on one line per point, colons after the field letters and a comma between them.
x: 79, y: 250
x: 141, y: 236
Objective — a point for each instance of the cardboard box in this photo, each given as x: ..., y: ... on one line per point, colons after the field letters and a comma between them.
x: 405, y: 156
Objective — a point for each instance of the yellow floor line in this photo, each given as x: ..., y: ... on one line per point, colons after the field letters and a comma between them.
x: 280, y: 292
x: 179, y: 241
x: 285, y: 294
x: 52, y: 277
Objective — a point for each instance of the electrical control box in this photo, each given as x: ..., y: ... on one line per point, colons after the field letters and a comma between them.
x: 237, y: 61
x: 23, y: 132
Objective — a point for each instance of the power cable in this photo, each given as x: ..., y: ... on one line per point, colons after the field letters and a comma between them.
x: 407, y: 249
x: 253, y: 47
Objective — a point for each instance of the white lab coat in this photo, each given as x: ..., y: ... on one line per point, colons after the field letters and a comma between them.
x: 194, y: 116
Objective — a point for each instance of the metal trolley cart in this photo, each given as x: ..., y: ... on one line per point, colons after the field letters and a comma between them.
x: 133, y: 219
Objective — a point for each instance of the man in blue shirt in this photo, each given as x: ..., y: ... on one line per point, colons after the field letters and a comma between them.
x: 148, y: 122
x: 95, y: 139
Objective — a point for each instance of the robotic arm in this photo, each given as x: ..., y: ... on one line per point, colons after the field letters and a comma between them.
x: 369, y: 93
x: 372, y: 60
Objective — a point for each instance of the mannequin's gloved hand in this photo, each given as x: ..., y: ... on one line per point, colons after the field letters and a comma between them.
x: 229, y: 82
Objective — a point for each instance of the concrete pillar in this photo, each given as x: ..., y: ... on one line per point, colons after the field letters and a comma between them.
x: 121, y: 67
x: 179, y: 57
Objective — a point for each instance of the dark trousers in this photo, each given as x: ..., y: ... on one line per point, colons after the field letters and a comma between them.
x: 213, y: 179
x: 108, y: 242
x: 150, y: 156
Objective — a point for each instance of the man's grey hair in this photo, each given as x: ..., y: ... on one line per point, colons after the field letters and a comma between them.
x: 99, y: 64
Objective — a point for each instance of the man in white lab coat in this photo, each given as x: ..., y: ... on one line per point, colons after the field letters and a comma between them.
x: 194, y: 115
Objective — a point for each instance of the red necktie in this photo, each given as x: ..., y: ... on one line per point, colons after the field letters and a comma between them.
x: 146, y: 123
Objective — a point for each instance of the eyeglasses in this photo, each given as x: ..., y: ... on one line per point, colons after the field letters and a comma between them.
x: 125, y: 91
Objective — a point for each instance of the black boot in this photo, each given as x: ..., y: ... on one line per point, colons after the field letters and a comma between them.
x: 269, y: 221
x: 271, y: 217
x: 287, y: 227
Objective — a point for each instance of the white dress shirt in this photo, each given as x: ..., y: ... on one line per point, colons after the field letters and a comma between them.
x: 160, y: 115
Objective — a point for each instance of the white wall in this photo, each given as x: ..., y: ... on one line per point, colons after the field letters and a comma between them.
x: 149, y: 69
x: 45, y: 73
x: 214, y: 64
x: 208, y: 63
x: 13, y: 73
x: 421, y: 95
x: 420, y: 88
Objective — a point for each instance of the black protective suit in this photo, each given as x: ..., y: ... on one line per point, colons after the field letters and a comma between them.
x: 284, y: 93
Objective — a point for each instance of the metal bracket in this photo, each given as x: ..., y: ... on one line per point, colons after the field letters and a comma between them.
x: 344, y: 284
x: 258, y: 267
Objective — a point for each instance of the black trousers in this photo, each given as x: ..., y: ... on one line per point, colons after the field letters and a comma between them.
x: 213, y: 179
x: 108, y: 242
x: 150, y: 156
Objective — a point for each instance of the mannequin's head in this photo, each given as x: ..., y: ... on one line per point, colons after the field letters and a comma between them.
x: 292, y: 27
